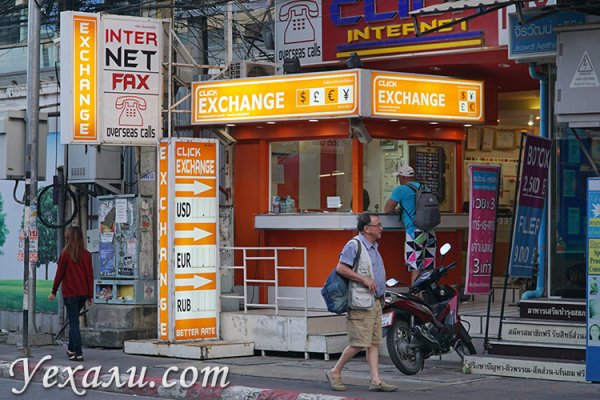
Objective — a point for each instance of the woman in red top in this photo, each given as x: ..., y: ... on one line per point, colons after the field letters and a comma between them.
x: 77, y: 278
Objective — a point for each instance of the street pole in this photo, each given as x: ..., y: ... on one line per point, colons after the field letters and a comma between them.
x: 31, y: 168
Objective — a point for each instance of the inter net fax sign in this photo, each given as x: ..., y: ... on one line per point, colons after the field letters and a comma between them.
x: 111, y: 79
x: 188, y: 240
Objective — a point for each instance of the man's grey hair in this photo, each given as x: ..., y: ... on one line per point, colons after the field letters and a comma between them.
x: 362, y: 220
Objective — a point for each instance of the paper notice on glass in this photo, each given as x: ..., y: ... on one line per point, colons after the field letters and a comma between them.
x: 333, y: 202
x: 121, y: 206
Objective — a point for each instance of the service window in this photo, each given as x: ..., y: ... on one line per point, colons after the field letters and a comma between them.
x: 311, y: 175
x: 433, y: 162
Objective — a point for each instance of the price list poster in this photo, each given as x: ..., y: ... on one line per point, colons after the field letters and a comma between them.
x: 593, y: 281
x: 531, y: 200
x: 483, y: 206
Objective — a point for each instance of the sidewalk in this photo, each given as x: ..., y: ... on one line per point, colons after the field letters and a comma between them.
x: 271, y: 377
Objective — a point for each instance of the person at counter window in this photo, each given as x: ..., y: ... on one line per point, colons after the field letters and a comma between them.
x: 364, y: 324
x: 419, y: 246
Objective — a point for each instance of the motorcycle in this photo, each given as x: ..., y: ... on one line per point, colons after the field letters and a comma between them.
x: 417, y: 328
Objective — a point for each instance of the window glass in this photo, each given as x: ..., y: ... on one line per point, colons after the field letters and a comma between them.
x: 570, y: 209
x: 311, y: 175
x: 433, y: 162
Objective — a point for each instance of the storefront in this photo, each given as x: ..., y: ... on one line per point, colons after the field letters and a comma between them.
x: 298, y: 168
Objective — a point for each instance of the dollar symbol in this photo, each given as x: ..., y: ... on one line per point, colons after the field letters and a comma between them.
x: 302, y: 97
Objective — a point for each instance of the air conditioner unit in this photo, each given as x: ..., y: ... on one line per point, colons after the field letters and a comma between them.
x: 93, y: 164
x: 13, y: 137
x: 249, y: 69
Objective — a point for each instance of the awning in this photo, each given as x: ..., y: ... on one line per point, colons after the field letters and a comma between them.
x: 482, y: 6
x: 451, y: 6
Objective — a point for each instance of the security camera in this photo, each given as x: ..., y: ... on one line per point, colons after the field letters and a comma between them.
x: 359, y: 130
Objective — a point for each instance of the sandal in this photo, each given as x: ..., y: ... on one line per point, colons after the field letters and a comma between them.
x: 75, y: 357
x: 335, y: 383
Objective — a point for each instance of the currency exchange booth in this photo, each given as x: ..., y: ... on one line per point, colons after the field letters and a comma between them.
x: 313, y: 150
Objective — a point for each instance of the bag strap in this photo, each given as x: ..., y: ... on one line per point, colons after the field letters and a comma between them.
x: 357, y: 257
x: 414, y: 188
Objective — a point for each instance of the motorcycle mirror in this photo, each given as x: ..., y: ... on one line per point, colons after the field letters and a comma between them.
x: 445, y: 249
x: 392, y: 282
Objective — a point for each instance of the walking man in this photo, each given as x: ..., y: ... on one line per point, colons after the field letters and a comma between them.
x: 420, y: 246
x: 363, y: 325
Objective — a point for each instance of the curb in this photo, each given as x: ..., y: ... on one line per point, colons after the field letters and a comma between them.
x: 139, y: 385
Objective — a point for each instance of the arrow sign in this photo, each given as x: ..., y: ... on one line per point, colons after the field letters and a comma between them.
x: 196, y: 234
x: 196, y: 187
x: 197, y: 281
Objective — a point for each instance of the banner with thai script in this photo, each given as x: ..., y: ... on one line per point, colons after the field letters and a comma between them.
x: 593, y: 281
x: 483, y: 209
x: 531, y: 198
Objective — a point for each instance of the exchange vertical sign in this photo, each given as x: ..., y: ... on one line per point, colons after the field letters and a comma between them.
x: 531, y: 197
x: 482, y: 227
x: 191, y: 239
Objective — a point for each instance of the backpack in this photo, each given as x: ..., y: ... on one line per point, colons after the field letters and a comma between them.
x: 335, y: 290
x: 427, y: 208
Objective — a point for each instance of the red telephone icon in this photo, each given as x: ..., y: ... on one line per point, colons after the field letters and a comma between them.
x: 298, y: 13
x: 131, y: 106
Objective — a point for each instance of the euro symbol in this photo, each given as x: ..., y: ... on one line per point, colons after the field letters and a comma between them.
x: 302, y: 97
x: 330, y: 95
x: 472, y: 106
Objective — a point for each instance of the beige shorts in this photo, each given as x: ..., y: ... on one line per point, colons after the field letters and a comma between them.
x: 364, y: 326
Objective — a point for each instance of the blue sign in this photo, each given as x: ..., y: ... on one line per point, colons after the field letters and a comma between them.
x: 593, y: 282
x: 531, y: 199
x: 537, y: 39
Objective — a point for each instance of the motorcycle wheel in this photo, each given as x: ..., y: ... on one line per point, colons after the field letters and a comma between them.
x: 408, y: 360
x: 464, y: 345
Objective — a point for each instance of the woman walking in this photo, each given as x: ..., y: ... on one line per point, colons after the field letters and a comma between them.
x: 77, y: 278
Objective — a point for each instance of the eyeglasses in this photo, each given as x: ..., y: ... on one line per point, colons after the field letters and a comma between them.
x: 379, y: 225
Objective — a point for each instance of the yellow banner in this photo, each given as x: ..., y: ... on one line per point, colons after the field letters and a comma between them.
x: 407, y: 96
x: 272, y: 98
x: 593, y: 256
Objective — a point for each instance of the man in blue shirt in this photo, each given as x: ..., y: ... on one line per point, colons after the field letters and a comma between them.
x: 420, y: 246
x: 363, y: 325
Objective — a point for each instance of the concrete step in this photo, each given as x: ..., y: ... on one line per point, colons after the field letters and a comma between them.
x: 112, y: 338
x: 537, y: 349
x: 195, y: 350
x: 521, y: 367
x: 326, y: 323
x: 557, y: 332
x: 331, y: 343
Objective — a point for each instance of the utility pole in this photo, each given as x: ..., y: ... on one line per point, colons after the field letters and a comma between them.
x: 31, y: 168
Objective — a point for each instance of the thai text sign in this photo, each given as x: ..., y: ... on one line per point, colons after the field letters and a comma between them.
x: 593, y: 282
x: 407, y: 96
x: 281, y: 97
x: 531, y: 197
x: 483, y: 209
x: 188, y: 239
x: 111, y: 79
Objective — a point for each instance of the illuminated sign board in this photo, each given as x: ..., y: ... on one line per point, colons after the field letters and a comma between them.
x: 111, y: 79
x: 407, y: 96
x: 188, y: 239
x: 79, y: 78
x: 282, y: 97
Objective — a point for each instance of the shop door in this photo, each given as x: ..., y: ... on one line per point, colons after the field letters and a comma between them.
x: 577, y: 158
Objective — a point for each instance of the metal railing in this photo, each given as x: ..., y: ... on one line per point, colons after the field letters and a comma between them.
x: 272, y: 254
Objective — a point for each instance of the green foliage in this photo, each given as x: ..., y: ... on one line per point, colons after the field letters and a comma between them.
x: 3, y: 227
x: 12, y: 296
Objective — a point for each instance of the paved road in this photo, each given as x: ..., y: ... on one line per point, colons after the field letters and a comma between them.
x: 441, y: 379
x: 37, y: 391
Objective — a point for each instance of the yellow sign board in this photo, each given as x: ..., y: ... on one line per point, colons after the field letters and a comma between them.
x: 331, y: 95
x: 407, y: 96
